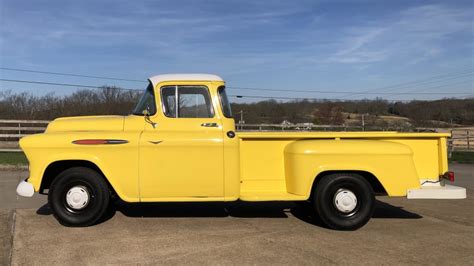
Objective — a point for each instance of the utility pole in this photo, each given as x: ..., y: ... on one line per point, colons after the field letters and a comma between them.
x: 363, y: 122
x: 241, y: 121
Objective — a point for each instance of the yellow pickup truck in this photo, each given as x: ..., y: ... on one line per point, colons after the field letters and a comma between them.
x: 180, y: 145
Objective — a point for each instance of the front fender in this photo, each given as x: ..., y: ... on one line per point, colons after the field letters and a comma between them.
x: 391, y: 163
x: 118, y: 163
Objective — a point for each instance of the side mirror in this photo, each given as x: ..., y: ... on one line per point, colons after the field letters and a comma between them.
x: 146, y: 114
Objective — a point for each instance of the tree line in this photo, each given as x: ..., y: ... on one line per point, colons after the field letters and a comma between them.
x: 104, y: 101
x: 112, y: 100
x: 420, y: 113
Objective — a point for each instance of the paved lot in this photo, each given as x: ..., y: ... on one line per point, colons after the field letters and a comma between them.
x: 402, y: 231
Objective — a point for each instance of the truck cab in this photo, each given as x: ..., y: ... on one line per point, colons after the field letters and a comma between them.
x: 188, y: 140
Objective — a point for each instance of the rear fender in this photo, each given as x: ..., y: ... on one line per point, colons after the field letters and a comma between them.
x: 391, y: 163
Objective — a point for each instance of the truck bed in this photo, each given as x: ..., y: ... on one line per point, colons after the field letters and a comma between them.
x: 264, y: 168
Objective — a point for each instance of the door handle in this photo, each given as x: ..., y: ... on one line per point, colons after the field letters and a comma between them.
x: 209, y: 125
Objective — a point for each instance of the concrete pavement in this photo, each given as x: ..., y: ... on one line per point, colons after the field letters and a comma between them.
x: 402, y: 231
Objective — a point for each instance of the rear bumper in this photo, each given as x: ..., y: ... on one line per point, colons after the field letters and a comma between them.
x: 25, y: 189
x: 437, y: 192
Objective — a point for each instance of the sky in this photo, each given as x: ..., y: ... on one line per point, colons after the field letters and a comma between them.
x: 331, y: 48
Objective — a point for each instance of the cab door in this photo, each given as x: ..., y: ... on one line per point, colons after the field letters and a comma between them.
x: 181, y: 157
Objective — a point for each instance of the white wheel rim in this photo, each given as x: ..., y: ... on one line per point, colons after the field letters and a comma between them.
x: 345, y: 201
x: 77, y: 197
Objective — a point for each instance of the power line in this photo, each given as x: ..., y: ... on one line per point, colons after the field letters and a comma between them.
x: 436, y: 87
x: 432, y: 81
x: 62, y: 84
x: 69, y: 74
x: 415, y: 83
x: 100, y: 87
x: 238, y: 96
x: 364, y: 93
x: 350, y: 93
x: 466, y: 94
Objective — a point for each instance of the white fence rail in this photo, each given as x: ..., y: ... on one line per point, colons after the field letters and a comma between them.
x: 312, y: 127
x: 461, y: 140
x: 12, y: 130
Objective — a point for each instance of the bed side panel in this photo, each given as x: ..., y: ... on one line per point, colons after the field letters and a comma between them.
x: 391, y: 163
x: 262, y: 164
x: 429, y: 156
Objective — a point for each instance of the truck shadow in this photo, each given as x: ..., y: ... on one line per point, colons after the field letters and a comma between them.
x: 238, y: 209
x: 382, y: 210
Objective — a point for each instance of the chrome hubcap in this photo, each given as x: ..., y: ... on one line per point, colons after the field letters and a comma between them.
x: 77, y: 197
x: 345, y: 201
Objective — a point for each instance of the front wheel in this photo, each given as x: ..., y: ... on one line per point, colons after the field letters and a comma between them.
x: 344, y: 201
x: 78, y: 196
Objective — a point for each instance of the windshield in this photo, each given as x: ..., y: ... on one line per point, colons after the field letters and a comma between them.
x: 147, y: 101
x: 224, y: 102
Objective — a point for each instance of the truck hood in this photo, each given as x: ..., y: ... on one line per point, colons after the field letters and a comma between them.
x: 86, y: 123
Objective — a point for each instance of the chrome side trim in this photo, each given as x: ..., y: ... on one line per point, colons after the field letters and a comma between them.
x: 117, y: 141
x: 99, y: 141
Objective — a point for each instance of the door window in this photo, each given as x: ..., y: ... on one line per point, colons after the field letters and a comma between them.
x: 186, y: 102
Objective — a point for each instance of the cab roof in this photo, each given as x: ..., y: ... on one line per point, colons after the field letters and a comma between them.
x: 183, y: 77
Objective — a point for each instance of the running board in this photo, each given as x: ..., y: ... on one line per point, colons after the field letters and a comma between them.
x: 270, y: 196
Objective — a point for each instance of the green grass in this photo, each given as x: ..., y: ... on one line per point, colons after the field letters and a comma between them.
x: 18, y: 158
x: 462, y: 157
x: 13, y: 158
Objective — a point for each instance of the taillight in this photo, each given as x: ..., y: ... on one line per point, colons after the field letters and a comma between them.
x: 449, y: 176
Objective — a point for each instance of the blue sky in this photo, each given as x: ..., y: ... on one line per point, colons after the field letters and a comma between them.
x: 296, y: 45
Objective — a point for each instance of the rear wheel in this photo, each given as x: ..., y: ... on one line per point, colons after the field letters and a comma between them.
x: 79, y: 196
x: 344, y: 201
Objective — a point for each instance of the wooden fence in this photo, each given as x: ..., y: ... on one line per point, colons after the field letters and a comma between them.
x: 312, y: 127
x: 462, y: 138
x: 12, y: 130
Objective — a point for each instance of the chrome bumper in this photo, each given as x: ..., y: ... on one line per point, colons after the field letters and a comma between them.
x: 25, y: 189
x: 437, y: 192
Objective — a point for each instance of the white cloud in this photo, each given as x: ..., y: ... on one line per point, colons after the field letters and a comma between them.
x: 416, y: 32
x: 355, y: 50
